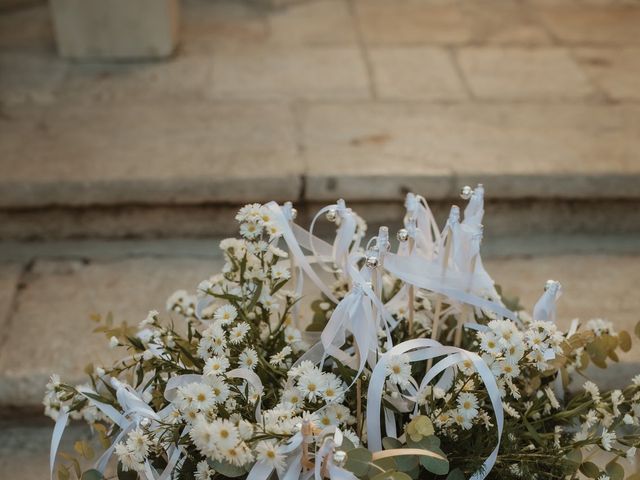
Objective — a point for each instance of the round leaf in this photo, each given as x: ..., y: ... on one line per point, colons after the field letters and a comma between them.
x: 625, y: 341
x: 358, y: 461
x: 615, y: 471
x: 590, y: 469
x: 92, y: 475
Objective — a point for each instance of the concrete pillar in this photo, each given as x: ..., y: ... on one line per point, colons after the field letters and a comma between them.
x: 115, y: 29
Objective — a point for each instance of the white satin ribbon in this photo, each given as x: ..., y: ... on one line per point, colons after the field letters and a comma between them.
x: 424, y: 349
x: 421, y: 225
x: 283, y: 224
x: 345, y: 235
x: 545, y: 307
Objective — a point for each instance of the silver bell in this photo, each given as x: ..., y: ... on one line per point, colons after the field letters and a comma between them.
x: 466, y: 192
x: 340, y: 458
x: 372, y: 262
x: 402, y: 235
x: 294, y: 213
x: 549, y: 284
x: 145, y: 422
x: 332, y: 215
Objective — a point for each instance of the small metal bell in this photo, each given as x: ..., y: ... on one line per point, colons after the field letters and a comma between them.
x: 372, y: 262
x: 402, y: 235
x: 466, y: 192
x: 145, y: 422
x: 340, y: 458
x: 332, y: 215
x: 551, y: 284
x: 294, y: 213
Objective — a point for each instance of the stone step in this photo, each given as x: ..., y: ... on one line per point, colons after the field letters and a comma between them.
x: 46, y: 300
x: 319, y: 100
x: 571, y: 168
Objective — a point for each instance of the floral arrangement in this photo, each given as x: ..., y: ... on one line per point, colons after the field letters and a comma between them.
x: 306, y: 359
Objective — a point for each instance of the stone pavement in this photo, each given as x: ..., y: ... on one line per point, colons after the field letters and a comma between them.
x: 49, y: 290
x: 365, y: 99
x: 47, y: 301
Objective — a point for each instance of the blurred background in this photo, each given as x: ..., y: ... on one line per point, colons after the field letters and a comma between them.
x: 131, y: 130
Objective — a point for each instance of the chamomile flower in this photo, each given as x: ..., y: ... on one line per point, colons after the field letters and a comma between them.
x: 138, y: 443
x: 593, y: 390
x: 250, y: 230
x: 312, y: 384
x: 128, y: 460
x: 226, y: 314
x: 267, y: 451
x: 202, y: 397
x: 219, y: 389
x: 273, y: 230
x: 280, y: 272
x: 278, y: 252
x: 224, y: 434
x: 238, y: 333
x: 279, y: 358
x: 203, y: 471
x: 250, y: 212
x: 334, y: 389
x: 248, y: 359
x: 489, y: 343
x: 216, y: 365
x: 607, y: 440
x: 292, y: 335
x: 467, y: 405
x: 399, y: 370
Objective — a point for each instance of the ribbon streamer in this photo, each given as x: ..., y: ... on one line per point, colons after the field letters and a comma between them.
x: 424, y: 349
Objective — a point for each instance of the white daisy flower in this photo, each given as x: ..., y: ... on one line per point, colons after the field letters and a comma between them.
x: 312, y: 384
x: 607, y: 440
x: 250, y: 212
x: 216, y: 365
x: 226, y: 314
x: 279, y: 358
x: 467, y: 405
x: 225, y: 434
x: 593, y: 390
x: 203, y: 471
x: 248, y: 359
x: 280, y: 272
x: 267, y: 451
x: 237, y: 333
x: 399, y: 369
x: 219, y: 389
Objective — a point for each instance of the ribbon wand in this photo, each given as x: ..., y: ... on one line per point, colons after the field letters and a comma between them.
x: 454, y: 218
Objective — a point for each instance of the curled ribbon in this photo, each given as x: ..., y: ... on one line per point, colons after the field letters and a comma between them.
x: 424, y: 349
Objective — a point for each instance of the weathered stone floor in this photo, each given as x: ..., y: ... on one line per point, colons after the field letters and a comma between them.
x: 48, y: 292
x: 47, y: 301
x: 325, y: 98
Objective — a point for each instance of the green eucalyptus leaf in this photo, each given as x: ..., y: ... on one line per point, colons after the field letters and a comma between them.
x: 62, y: 473
x: 391, y: 475
x: 456, y: 474
x: 385, y: 464
x: 615, y: 470
x: 590, y: 469
x: 128, y: 475
x: 358, y: 461
x: 390, y: 443
x: 574, y: 457
x: 92, y: 475
x: 624, y: 339
x: 439, y: 466
x: 227, y: 469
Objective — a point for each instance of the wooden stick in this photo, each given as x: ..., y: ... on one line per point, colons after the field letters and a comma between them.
x: 436, y: 315
x: 411, y: 294
x: 468, y: 310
